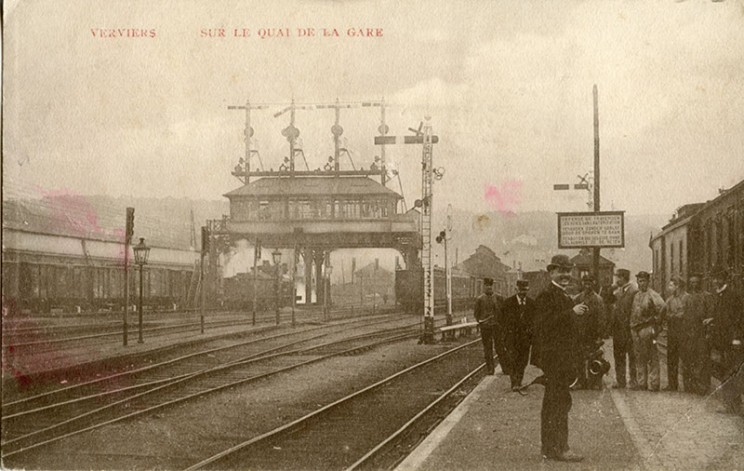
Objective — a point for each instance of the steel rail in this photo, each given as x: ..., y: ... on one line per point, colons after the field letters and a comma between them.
x: 377, y: 320
x: 293, y: 424
x: 189, y: 396
x: 370, y: 454
x: 265, y: 354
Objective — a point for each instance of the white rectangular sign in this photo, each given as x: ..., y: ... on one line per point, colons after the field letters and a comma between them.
x: 602, y: 229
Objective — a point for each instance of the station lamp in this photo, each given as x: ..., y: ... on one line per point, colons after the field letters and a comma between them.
x: 141, y: 253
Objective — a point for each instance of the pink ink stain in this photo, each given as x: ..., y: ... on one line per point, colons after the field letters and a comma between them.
x: 72, y: 213
x: 504, y: 198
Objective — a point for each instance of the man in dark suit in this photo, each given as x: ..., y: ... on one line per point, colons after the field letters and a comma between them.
x: 728, y: 328
x: 518, y: 315
x: 554, y: 343
x: 487, y: 312
x: 622, y: 342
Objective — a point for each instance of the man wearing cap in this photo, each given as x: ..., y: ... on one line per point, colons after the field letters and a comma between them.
x: 728, y: 326
x: 487, y: 313
x: 622, y: 343
x: 673, y: 317
x: 589, y: 328
x: 518, y: 315
x: 645, y: 316
x: 554, y: 344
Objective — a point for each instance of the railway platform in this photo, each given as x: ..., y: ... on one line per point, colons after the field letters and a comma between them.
x: 495, y: 428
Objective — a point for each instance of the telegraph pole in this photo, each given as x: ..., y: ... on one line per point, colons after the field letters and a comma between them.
x: 595, y: 258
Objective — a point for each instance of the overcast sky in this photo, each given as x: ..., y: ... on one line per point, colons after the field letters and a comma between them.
x: 508, y: 86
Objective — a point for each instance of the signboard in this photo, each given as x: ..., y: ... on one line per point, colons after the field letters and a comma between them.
x: 602, y: 229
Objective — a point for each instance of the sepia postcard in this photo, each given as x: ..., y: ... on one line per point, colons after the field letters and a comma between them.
x: 413, y: 235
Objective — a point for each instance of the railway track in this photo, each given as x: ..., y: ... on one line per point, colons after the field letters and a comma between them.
x: 52, y: 416
x: 48, y: 338
x: 359, y: 430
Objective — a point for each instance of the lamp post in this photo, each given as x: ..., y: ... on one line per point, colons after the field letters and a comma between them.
x: 326, y: 289
x: 141, y: 252
x: 276, y: 256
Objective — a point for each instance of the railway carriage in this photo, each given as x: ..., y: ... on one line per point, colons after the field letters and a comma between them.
x: 43, y: 273
x: 409, y: 289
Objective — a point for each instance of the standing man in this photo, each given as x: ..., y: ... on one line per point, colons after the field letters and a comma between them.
x: 694, y: 348
x: 555, y: 348
x: 644, y: 327
x: 487, y: 313
x: 622, y: 344
x: 589, y: 328
x: 673, y: 315
x: 728, y: 325
x: 518, y: 316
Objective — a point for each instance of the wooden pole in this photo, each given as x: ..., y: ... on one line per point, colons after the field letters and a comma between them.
x: 595, y: 258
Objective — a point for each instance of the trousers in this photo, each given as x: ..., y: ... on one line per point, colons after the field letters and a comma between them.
x: 554, y: 416
x: 647, y: 358
x: 733, y: 385
x: 674, y: 342
x: 488, y: 338
x: 622, y: 347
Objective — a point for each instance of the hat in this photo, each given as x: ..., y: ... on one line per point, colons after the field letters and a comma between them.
x: 587, y: 277
x: 523, y: 284
x: 623, y: 273
x: 560, y: 261
x: 487, y: 282
x: 643, y: 275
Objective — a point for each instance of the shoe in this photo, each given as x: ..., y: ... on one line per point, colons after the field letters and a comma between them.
x: 568, y: 456
x: 618, y: 386
x: 730, y: 410
x: 490, y: 372
x: 670, y: 389
x: 636, y: 387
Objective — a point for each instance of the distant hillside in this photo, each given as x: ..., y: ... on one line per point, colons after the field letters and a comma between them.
x: 531, y: 238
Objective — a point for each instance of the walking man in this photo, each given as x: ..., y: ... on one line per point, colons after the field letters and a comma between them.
x: 487, y: 313
x: 673, y: 315
x: 518, y: 315
x: 555, y: 348
x: 644, y: 326
x: 728, y: 324
x: 622, y: 344
x: 589, y: 329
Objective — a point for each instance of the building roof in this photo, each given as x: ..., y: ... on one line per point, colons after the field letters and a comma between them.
x: 314, y: 186
x: 587, y: 259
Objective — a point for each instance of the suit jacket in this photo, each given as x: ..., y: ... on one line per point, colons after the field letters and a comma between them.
x: 487, y: 309
x: 554, y: 344
x: 517, y: 322
x: 592, y: 325
x: 728, y: 318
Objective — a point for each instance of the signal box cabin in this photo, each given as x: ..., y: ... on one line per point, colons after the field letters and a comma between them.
x: 331, y: 211
x: 317, y: 214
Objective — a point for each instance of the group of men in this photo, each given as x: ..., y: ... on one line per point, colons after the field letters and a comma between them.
x: 561, y: 334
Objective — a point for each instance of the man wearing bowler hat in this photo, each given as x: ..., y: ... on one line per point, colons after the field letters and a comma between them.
x: 487, y: 313
x: 518, y: 315
x: 622, y: 342
x: 554, y: 345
